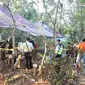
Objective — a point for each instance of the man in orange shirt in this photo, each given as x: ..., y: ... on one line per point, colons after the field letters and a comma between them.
x: 81, y: 54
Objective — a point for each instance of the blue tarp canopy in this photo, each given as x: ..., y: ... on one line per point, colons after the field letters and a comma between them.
x: 35, y: 29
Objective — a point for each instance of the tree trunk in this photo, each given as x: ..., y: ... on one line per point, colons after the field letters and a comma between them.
x: 41, y: 66
x: 54, y: 36
x: 82, y: 26
x: 14, y: 27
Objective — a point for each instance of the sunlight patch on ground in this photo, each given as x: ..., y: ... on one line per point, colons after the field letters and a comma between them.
x: 83, y: 79
x: 82, y: 83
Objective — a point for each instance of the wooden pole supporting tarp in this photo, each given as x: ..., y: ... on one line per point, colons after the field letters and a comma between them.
x: 14, y: 26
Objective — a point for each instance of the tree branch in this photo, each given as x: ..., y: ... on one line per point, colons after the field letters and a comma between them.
x: 47, y: 11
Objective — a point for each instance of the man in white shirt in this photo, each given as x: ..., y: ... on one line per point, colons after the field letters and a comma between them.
x: 28, y: 47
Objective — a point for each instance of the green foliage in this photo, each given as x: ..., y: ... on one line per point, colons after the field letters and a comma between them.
x: 25, y: 8
x: 82, y: 1
x: 19, y: 35
x: 70, y: 1
x: 77, y: 22
x: 40, y: 41
x: 31, y: 14
x: 5, y: 33
x: 76, y: 19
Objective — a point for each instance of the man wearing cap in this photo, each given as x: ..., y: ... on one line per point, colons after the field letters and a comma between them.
x: 59, y: 49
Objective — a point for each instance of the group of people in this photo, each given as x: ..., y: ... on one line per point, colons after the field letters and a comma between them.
x: 75, y: 51
x: 26, y: 49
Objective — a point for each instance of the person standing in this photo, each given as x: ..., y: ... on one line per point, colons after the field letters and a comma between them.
x: 9, y: 52
x: 9, y: 44
x: 3, y: 46
x: 59, y: 49
x: 69, y: 50
x: 28, y: 47
x: 81, y: 48
x: 75, y: 50
x: 80, y: 60
x: 34, y: 53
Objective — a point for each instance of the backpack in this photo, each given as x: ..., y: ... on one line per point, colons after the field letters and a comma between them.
x: 35, y: 45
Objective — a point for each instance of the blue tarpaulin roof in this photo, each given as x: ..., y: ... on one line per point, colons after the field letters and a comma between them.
x: 35, y: 29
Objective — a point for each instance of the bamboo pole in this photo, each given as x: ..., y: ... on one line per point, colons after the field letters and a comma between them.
x: 45, y: 40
